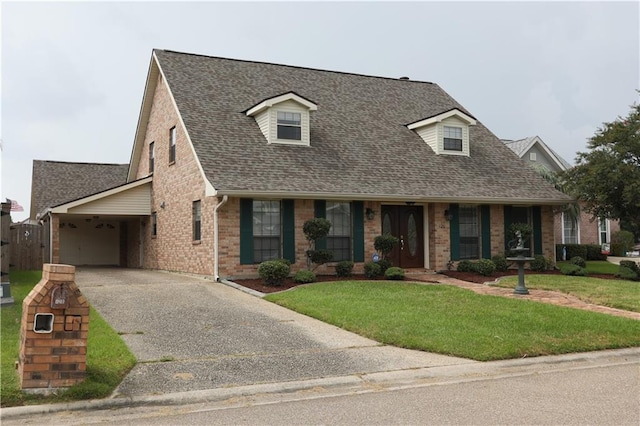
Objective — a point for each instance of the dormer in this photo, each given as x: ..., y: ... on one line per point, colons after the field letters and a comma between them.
x: 284, y: 118
x: 446, y: 133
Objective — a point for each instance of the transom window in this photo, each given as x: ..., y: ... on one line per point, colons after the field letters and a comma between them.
x: 469, y: 218
x: 289, y: 125
x: 339, y: 237
x: 266, y: 230
x: 197, y: 220
x: 452, y: 138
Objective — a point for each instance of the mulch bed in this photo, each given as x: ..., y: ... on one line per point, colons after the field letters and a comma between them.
x: 258, y: 285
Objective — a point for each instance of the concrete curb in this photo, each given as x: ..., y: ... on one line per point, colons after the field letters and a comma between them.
x: 370, y: 382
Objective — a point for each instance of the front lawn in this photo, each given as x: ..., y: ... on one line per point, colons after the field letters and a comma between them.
x: 454, y: 321
x: 108, y: 358
x: 620, y: 294
x: 596, y: 266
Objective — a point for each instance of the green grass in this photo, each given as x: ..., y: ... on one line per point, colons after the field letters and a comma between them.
x: 454, y: 321
x: 614, y: 293
x: 597, y: 266
x: 108, y: 358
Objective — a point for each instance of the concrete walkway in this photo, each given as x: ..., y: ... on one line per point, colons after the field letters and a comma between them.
x: 192, y: 334
x: 545, y: 296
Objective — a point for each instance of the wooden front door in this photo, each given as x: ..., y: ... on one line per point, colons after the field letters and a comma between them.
x: 406, y: 224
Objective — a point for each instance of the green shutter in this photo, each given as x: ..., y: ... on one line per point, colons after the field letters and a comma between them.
x: 507, y: 224
x: 288, y: 231
x: 246, y: 231
x: 485, y: 217
x: 537, y: 229
x: 454, y: 232
x: 358, y: 231
x: 320, y: 210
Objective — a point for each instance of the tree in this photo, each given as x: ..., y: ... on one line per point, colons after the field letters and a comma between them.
x: 607, y: 178
x: 315, y: 229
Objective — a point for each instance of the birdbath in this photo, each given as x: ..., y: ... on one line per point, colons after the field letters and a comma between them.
x: 520, y: 259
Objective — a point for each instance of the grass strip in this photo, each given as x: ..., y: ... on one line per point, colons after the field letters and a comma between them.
x: 108, y: 358
x: 454, y: 321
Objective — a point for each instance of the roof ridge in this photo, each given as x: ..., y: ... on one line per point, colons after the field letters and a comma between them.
x: 82, y: 162
x: 295, y: 66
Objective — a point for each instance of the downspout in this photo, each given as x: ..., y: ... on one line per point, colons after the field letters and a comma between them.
x: 215, y: 237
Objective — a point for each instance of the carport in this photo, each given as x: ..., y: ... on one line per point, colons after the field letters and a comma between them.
x: 101, y: 229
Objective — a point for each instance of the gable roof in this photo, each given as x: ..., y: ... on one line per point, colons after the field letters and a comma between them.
x: 360, y: 145
x: 57, y: 182
x: 522, y: 146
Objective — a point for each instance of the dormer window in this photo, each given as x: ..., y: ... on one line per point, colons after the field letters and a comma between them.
x: 453, y: 138
x: 446, y: 133
x: 284, y: 119
x: 289, y: 125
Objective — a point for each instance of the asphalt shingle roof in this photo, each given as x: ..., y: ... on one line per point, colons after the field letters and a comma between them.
x: 57, y: 182
x: 359, y: 140
x: 519, y: 146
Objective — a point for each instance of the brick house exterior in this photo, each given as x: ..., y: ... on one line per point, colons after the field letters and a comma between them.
x: 588, y: 229
x: 231, y: 157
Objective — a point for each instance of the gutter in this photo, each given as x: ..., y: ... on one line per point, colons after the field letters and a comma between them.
x: 215, y: 238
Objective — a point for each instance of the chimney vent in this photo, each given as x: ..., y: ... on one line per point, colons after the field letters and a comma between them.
x: 403, y: 78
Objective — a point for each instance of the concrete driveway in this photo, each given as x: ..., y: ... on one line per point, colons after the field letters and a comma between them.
x: 191, y: 334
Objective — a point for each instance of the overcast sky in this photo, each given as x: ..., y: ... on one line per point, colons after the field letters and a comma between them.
x: 73, y: 74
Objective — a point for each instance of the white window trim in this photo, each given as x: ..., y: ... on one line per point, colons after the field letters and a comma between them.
x: 578, y: 230
x: 431, y: 130
x: 533, y: 156
x: 608, y: 230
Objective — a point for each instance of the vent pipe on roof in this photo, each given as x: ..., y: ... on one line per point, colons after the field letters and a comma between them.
x: 403, y: 78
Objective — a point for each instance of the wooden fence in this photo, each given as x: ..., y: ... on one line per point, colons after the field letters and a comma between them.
x: 25, y: 247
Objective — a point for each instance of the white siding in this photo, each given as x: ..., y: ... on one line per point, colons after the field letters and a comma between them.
x: 91, y: 242
x: 429, y: 135
x: 135, y: 201
x: 263, y: 122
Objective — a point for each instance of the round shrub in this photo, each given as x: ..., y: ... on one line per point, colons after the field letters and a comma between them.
x: 384, y: 244
x: 372, y: 270
x: 384, y: 265
x: 394, y: 273
x: 273, y: 272
x: 501, y: 262
x: 344, y: 268
x: 571, y: 269
x: 466, y: 266
x: 577, y: 260
x: 539, y: 263
x: 485, y: 267
x: 304, y: 277
x: 634, y: 266
x: 627, y: 274
x: 320, y: 257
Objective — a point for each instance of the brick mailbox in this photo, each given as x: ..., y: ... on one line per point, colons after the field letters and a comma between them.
x: 53, y: 334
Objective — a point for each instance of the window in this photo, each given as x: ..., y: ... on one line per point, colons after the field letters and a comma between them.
x: 152, y: 155
x: 452, y: 138
x: 289, y: 125
x: 339, y: 237
x: 172, y: 145
x: 154, y: 224
x: 533, y: 156
x: 603, y: 228
x: 569, y: 230
x: 469, y: 218
x: 197, y: 220
x: 266, y: 230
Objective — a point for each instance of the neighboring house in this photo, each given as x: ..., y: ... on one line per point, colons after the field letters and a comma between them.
x: 588, y: 230
x: 234, y: 156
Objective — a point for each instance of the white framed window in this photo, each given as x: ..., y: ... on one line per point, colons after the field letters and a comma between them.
x: 172, y: 145
x: 570, y: 234
x: 452, y: 138
x: 339, y: 237
x: 533, y: 156
x: 289, y: 125
x: 603, y: 231
x: 266, y: 230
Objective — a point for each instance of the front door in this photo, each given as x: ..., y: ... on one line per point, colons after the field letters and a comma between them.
x: 405, y: 223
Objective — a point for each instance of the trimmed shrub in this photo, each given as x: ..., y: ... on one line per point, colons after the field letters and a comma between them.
x: 384, y: 265
x: 627, y: 274
x: 571, y: 269
x: 344, y: 268
x: 501, y: 262
x: 394, y: 273
x: 273, y: 272
x: 304, y: 276
x: 577, y: 260
x: 485, y: 267
x: 466, y: 266
x: 320, y: 257
x: 594, y: 252
x: 635, y: 267
x: 573, y: 250
x: 384, y: 244
x: 372, y: 270
x: 539, y: 263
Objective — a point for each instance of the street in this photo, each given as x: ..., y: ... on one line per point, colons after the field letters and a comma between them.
x: 569, y: 395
